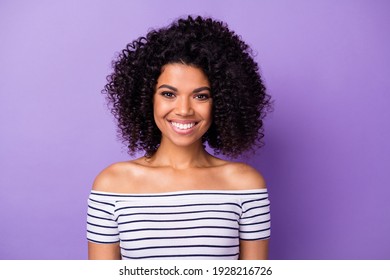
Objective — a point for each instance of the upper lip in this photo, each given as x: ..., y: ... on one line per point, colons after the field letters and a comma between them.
x: 183, y: 121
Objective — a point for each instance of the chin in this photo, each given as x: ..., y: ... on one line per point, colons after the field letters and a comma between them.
x: 182, y: 143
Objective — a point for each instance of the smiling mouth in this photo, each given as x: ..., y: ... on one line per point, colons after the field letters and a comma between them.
x: 183, y: 126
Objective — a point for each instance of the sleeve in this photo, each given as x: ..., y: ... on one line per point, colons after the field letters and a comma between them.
x: 102, y: 226
x: 255, y: 221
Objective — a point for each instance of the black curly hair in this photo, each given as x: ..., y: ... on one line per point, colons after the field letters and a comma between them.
x: 240, y: 101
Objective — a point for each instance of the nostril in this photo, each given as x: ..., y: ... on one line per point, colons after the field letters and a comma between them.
x: 184, y: 111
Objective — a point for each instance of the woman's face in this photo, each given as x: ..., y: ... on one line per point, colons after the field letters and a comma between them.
x: 182, y: 104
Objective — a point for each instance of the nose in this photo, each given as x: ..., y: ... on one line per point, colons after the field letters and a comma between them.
x: 184, y: 107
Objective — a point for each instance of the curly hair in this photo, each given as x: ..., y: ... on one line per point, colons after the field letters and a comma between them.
x: 240, y: 101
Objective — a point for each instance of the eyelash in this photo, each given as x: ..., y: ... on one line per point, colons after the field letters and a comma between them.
x: 169, y: 94
x: 202, y: 96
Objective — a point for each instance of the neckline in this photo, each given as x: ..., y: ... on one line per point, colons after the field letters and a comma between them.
x: 204, y: 191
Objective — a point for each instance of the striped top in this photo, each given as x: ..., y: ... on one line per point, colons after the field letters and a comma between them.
x: 199, y: 224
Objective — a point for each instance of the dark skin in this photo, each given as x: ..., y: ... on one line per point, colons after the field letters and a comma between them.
x: 182, y: 111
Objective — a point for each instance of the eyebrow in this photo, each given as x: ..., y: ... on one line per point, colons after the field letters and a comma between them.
x: 197, y: 90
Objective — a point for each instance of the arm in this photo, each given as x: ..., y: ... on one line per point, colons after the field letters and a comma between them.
x: 100, y: 215
x: 248, y: 177
x: 253, y: 250
x: 103, y: 251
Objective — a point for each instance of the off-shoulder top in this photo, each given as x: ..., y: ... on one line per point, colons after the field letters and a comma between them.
x: 198, y: 224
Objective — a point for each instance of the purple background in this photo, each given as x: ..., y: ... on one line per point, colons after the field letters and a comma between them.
x: 327, y: 153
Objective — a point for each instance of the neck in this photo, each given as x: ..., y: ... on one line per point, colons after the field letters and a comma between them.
x: 180, y: 157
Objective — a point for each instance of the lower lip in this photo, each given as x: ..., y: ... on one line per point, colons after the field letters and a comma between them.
x: 183, y: 131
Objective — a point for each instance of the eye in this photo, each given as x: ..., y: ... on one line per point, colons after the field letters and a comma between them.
x: 202, y: 96
x: 168, y: 94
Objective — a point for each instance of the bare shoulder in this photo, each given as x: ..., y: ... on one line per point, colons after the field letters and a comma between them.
x: 243, y: 176
x: 115, y: 177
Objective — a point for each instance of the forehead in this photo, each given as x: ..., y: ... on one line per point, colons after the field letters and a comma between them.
x: 181, y: 75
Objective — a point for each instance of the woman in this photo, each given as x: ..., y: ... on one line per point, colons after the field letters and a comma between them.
x: 171, y: 92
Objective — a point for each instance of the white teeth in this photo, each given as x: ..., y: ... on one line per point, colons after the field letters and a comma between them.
x: 183, y: 126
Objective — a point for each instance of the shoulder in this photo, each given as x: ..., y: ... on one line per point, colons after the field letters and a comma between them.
x: 115, y: 177
x: 243, y: 176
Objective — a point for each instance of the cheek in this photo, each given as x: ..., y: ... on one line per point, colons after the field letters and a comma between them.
x: 209, y: 112
x: 206, y: 114
x: 159, y: 108
x: 157, y: 113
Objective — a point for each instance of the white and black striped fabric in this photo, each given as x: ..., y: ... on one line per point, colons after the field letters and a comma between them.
x: 200, y: 224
